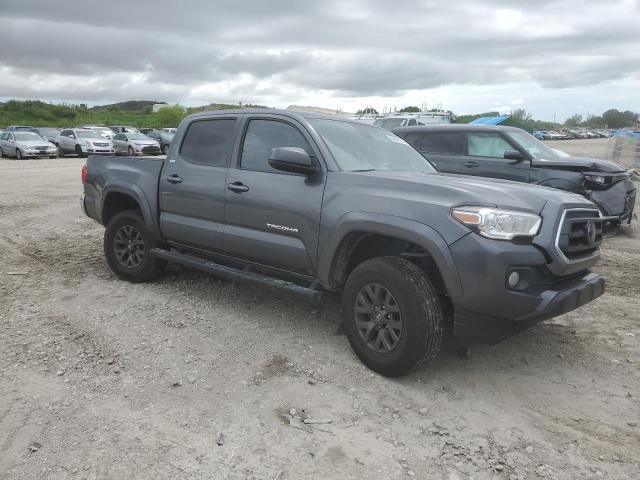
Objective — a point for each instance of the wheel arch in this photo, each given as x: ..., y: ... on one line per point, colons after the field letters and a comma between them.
x: 117, y: 200
x: 361, y: 236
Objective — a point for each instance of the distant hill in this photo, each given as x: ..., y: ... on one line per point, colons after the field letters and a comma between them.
x: 128, y: 106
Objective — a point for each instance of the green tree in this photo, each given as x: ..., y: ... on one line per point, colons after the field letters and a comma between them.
x: 615, y: 119
x: 520, y: 114
x: 170, y: 116
x: 574, y: 120
x: 410, y: 109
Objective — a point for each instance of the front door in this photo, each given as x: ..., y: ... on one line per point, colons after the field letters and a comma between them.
x: 273, y: 217
x: 192, y: 184
x: 485, y: 158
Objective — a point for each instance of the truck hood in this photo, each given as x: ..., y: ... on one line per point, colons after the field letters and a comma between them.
x: 579, y: 164
x: 452, y: 190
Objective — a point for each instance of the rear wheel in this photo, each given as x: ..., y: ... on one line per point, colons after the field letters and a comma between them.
x: 127, y: 247
x: 2, y: 154
x: 392, y: 316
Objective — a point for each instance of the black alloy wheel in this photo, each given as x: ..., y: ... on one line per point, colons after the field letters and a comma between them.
x: 378, y: 318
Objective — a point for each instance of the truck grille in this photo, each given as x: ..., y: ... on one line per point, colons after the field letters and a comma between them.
x: 580, y: 234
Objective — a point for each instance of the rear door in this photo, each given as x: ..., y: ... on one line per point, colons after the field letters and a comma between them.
x: 443, y: 149
x: 192, y: 184
x: 485, y: 158
x: 273, y: 217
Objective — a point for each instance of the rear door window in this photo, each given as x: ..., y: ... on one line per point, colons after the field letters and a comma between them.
x: 209, y: 142
x: 438, y: 142
x: 487, y: 145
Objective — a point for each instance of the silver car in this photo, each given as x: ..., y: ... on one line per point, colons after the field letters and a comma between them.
x: 82, y: 142
x: 135, y: 144
x: 23, y: 144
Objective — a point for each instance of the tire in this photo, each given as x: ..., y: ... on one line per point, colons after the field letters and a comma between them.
x: 414, y: 316
x: 2, y: 154
x: 164, y: 149
x: 19, y: 154
x: 131, y: 152
x: 79, y: 152
x: 131, y: 265
x: 52, y: 157
x: 60, y: 151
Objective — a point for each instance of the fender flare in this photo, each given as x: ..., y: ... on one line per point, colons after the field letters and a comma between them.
x: 135, y: 192
x: 398, y: 227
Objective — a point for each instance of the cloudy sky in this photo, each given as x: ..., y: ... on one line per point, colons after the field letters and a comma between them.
x: 550, y: 57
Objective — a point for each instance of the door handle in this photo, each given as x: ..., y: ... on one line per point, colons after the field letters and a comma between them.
x: 174, y: 179
x: 238, y: 187
x: 470, y: 164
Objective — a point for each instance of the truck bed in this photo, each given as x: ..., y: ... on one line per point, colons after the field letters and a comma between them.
x: 107, y: 173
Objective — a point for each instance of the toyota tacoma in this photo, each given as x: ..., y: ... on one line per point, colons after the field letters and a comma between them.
x: 307, y: 204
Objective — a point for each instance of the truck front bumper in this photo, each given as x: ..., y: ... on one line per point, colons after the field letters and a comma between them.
x: 562, y: 298
x: 491, y: 309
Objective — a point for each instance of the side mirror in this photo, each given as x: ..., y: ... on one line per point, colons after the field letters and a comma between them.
x: 513, y: 155
x: 292, y: 159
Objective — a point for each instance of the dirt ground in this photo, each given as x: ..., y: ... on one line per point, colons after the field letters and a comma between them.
x: 194, y: 378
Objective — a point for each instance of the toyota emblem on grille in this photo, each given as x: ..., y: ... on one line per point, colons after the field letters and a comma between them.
x: 591, y: 233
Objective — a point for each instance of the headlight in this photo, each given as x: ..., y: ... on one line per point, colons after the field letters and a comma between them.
x: 498, y: 224
x: 599, y: 179
x: 29, y: 148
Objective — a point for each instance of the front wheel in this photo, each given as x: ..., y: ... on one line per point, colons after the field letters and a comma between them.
x: 60, y: 151
x: 79, y: 152
x: 2, y: 155
x: 19, y: 154
x: 127, y: 248
x: 131, y: 152
x: 392, y: 316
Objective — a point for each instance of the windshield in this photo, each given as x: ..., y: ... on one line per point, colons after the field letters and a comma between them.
x: 86, y: 134
x: 137, y: 136
x: 27, y: 137
x: 390, y: 123
x: 531, y: 144
x: 358, y: 147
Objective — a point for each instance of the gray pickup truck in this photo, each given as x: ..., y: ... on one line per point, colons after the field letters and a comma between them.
x: 306, y: 203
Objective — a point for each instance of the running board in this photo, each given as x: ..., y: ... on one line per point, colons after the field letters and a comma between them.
x: 311, y: 295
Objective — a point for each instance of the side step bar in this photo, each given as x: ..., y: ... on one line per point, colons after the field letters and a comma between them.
x: 311, y: 295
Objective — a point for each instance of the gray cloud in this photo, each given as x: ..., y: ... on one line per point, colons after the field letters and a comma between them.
x: 281, y: 49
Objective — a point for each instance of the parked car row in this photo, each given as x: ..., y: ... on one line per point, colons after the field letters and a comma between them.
x: 571, y: 134
x: 23, y: 141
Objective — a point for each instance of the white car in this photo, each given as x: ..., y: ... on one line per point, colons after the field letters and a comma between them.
x: 83, y: 142
x: 23, y: 144
x: 135, y: 144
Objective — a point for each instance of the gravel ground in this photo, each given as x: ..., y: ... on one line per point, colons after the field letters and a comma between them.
x: 191, y: 377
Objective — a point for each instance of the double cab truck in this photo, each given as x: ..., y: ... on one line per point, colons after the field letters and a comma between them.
x: 307, y: 204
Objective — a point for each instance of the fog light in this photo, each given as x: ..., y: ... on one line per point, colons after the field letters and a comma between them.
x: 514, y: 278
